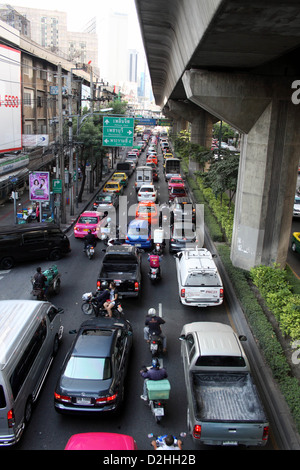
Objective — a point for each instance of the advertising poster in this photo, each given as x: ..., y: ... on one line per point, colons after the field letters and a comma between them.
x: 39, y: 186
x: 10, y: 100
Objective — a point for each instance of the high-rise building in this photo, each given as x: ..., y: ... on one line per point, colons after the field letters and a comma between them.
x: 133, y: 63
x: 49, y: 29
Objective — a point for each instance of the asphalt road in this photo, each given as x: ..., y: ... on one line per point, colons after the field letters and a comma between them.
x: 51, y: 431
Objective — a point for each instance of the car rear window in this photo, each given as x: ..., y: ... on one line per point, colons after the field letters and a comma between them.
x: 88, y: 220
x: 88, y: 368
x: 2, y: 398
x: 220, y: 361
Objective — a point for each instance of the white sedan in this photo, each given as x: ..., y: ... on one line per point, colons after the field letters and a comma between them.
x: 147, y: 192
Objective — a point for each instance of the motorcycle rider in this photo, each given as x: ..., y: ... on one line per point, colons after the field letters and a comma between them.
x: 154, y: 261
x: 89, y: 239
x: 168, y: 443
x: 152, y: 325
x: 104, y: 295
x: 154, y: 373
x: 110, y: 303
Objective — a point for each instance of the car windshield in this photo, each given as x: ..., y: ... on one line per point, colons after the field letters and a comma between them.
x: 147, y: 209
x: 112, y: 185
x: 88, y: 220
x: 88, y: 368
x: 181, y: 233
x: 135, y: 230
x: 203, y: 279
x: 297, y: 200
x: 178, y: 190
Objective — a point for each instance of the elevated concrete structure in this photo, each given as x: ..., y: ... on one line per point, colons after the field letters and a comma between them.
x: 236, y: 60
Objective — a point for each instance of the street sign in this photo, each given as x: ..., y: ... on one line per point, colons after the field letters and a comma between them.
x: 117, y: 131
x: 57, y: 186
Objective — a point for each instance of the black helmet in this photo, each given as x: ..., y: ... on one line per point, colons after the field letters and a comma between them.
x: 104, y: 284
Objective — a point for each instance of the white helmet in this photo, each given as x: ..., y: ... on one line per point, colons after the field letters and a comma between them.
x: 152, y: 312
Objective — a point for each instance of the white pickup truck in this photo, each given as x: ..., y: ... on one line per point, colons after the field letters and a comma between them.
x: 199, y: 282
x: 224, y: 407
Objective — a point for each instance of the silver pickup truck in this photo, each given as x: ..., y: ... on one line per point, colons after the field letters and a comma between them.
x: 224, y: 407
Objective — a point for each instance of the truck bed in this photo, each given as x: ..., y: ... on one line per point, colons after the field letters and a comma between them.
x: 226, y: 397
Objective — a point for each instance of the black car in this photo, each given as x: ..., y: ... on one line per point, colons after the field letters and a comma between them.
x: 105, y: 201
x: 183, y: 208
x: 94, y: 370
x: 182, y: 236
x: 154, y: 170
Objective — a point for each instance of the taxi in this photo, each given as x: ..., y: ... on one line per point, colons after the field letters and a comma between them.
x: 168, y: 155
x: 101, y: 441
x: 148, y: 210
x: 152, y: 158
x: 113, y: 187
x: 89, y: 220
x: 121, y: 177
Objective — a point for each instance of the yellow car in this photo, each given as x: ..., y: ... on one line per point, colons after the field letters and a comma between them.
x: 168, y: 155
x: 113, y: 187
x: 121, y: 177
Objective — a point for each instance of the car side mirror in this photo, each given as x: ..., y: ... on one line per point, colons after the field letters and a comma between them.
x: 182, y: 338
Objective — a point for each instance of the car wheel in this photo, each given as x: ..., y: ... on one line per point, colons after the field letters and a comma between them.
x: 7, y: 263
x: 55, y: 255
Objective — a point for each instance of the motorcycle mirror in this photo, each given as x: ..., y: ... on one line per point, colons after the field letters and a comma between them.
x: 72, y: 332
x: 243, y: 338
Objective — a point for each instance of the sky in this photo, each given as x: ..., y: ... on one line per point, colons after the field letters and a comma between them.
x: 78, y: 16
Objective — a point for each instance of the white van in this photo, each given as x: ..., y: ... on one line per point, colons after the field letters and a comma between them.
x: 30, y: 333
x: 199, y: 281
x: 143, y: 175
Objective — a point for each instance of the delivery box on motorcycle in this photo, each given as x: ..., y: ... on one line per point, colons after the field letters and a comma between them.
x: 158, y: 389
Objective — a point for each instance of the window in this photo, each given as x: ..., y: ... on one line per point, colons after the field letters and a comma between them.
x: 28, y: 98
x: 220, y: 361
x: 33, y: 237
x: 24, y: 365
x: 2, y: 398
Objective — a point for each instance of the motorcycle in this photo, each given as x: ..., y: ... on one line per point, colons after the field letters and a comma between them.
x: 90, y: 251
x: 91, y: 306
x: 154, y: 274
x: 158, y: 249
x: 158, y: 392
x: 155, y: 344
x: 52, y: 284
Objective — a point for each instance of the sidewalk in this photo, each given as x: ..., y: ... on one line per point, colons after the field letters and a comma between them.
x: 7, y: 209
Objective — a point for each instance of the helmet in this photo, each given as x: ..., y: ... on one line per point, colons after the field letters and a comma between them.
x: 104, y: 284
x: 155, y: 363
x: 152, y: 312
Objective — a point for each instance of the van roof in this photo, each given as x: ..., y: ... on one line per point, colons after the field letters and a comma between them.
x: 15, y: 318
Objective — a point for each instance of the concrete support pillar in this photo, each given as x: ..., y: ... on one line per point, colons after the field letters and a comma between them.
x: 261, y: 108
x: 201, y: 121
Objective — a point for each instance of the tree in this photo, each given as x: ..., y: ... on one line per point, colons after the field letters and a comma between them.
x: 222, y: 175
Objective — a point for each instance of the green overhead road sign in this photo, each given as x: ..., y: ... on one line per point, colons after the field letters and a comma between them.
x: 117, y: 131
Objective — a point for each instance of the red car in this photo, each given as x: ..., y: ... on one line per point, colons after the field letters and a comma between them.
x: 179, y: 191
x: 175, y: 181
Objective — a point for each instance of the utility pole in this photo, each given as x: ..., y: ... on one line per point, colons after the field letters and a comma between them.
x: 70, y: 123
x: 61, y: 149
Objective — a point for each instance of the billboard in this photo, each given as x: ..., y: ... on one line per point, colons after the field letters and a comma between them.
x: 10, y: 100
x: 39, y: 186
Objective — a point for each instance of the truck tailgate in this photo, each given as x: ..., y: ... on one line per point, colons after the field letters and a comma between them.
x: 232, y: 434
x: 202, y: 294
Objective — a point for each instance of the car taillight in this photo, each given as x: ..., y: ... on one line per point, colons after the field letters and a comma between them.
x: 221, y: 293
x: 265, y: 433
x: 197, y: 431
x: 136, y: 286
x: 62, y: 398
x: 106, y: 399
x: 98, y: 285
x: 11, y: 418
x: 182, y: 293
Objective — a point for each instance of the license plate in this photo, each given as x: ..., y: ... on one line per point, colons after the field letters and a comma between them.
x: 154, y: 347
x: 230, y: 443
x: 117, y: 282
x: 83, y: 401
x: 159, y: 411
x: 138, y: 244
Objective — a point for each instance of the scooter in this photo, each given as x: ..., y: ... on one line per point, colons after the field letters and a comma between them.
x: 155, y: 344
x: 154, y: 274
x: 158, y: 249
x: 90, y: 251
x: 158, y: 392
x: 160, y: 440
